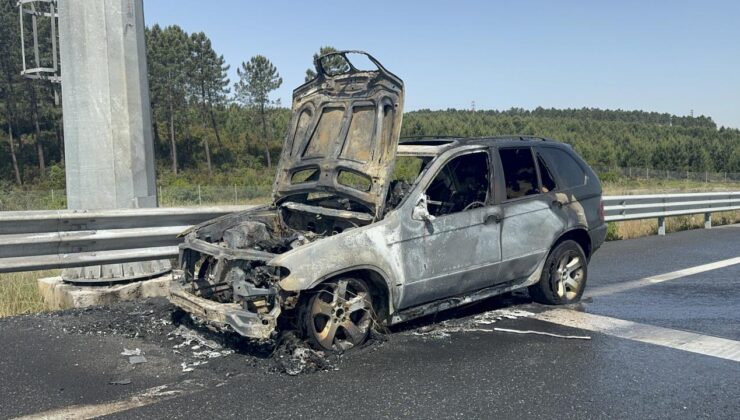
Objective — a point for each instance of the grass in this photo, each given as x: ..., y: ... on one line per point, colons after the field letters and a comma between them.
x: 19, y: 293
x: 637, y: 228
x: 625, y: 186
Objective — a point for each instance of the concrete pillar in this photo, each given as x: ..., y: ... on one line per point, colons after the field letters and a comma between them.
x: 661, y: 225
x: 109, y: 153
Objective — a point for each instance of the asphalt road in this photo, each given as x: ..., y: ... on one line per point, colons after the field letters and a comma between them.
x: 449, y: 366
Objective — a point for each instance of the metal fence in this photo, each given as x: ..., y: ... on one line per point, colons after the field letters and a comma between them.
x: 37, y: 240
x: 174, y: 196
x: 199, y: 195
x: 34, y: 240
x: 632, y: 207
x: 666, y: 174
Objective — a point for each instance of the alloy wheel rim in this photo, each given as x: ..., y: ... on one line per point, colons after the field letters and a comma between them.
x: 569, y: 275
x: 341, y: 315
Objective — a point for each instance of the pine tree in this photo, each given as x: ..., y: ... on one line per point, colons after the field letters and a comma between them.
x: 10, y: 69
x: 208, y: 83
x: 334, y: 64
x: 257, y: 78
x: 168, y: 60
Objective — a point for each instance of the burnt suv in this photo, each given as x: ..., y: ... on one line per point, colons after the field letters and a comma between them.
x: 363, y: 229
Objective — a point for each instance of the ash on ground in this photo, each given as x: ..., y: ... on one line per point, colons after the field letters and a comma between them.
x: 192, y: 345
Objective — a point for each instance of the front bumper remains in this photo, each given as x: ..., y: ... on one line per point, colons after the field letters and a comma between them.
x: 225, y: 315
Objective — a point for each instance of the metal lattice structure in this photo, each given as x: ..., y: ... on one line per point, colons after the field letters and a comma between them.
x: 42, y: 66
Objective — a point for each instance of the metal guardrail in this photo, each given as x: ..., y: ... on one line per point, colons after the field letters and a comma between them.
x: 36, y: 240
x: 632, y: 207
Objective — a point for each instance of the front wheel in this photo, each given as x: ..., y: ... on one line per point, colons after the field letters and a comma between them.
x: 564, y: 276
x: 338, y: 316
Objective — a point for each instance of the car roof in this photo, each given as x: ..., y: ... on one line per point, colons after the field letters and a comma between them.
x: 433, y: 146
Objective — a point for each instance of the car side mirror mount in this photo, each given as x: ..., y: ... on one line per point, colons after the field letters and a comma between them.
x: 421, y: 211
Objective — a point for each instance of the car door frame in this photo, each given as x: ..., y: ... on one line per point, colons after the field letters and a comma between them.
x: 521, y: 255
x: 423, y: 288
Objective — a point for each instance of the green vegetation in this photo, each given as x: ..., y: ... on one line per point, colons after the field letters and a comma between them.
x: 603, y: 137
x: 206, y: 133
x: 19, y: 293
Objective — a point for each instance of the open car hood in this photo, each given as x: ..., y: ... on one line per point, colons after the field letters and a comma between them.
x: 344, y: 132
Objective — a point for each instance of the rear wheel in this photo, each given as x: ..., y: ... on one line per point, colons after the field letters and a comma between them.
x: 563, y: 277
x: 338, y: 316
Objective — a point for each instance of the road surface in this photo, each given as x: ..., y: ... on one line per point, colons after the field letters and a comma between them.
x: 656, y: 336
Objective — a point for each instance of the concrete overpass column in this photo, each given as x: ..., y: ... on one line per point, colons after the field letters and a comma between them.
x: 109, y: 153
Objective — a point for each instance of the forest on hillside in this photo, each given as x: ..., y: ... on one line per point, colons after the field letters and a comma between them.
x: 209, y: 129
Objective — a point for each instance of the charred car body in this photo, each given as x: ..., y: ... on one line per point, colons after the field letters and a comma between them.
x: 363, y: 229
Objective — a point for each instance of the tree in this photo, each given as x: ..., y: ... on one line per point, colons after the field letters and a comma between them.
x: 332, y: 64
x: 208, y: 83
x: 168, y: 60
x: 257, y: 79
x: 9, y: 72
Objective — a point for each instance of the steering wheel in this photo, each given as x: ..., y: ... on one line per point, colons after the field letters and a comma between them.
x: 474, y: 205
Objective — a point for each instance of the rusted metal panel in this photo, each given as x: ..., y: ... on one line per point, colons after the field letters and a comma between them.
x: 345, y: 124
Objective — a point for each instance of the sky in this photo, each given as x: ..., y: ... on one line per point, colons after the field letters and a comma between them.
x: 664, y: 56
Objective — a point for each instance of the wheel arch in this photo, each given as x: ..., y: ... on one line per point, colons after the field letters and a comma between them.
x: 378, y: 282
x: 579, y: 235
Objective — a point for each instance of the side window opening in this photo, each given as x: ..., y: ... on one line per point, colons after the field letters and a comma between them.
x: 548, y: 183
x: 520, y: 175
x: 462, y: 184
x: 570, y: 172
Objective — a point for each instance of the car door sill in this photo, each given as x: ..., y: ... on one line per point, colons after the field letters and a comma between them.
x: 455, y: 301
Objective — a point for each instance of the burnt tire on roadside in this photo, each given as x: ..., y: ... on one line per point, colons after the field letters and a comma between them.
x: 563, y: 277
x: 337, y: 315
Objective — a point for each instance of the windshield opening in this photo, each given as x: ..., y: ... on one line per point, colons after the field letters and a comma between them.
x: 407, y: 171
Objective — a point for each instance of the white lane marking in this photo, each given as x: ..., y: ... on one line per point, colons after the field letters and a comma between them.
x: 509, y: 330
x: 147, y: 397
x: 660, y: 278
x: 676, y: 339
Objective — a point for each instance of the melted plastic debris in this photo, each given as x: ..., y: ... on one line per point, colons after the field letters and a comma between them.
x: 200, y: 347
x: 445, y: 328
x: 189, y: 367
x: 293, y: 356
x: 135, y: 360
x: 127, y: 352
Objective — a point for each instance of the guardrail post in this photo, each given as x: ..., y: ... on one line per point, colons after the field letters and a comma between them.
x: 661, y: 226
x: 707, y: 220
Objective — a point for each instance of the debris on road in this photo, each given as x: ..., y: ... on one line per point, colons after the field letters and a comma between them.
x: 293, y: 356
x: 127, y: 352
x: 126, y: 381
x: 135, y: 360
x: 189, y: 367
x: 574, y: 337
x: 445, y: 328
x: 209, y: 349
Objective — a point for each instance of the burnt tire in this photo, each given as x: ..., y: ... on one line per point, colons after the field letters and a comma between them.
x: 563, y: 277
x: 337, y: 315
